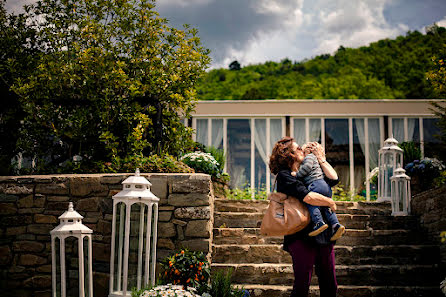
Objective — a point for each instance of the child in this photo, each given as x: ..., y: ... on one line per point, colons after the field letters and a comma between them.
x: 313, y: 177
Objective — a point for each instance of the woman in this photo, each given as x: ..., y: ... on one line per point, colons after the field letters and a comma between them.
x: 286, y: 158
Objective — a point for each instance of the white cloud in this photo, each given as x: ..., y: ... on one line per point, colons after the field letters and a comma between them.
x: 442, y: 23
x: 305, y: 33
x: 16, y: 6
x: 353, y: 24
x: 184, y: 3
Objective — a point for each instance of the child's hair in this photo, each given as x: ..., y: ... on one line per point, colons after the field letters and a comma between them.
x: 282, y: 156
x: 306, y: 149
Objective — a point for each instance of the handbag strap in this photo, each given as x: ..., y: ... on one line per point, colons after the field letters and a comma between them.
x: 275, y: 182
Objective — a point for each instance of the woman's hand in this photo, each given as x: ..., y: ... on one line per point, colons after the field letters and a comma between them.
x: 318, y: 150
x: 333, y: 206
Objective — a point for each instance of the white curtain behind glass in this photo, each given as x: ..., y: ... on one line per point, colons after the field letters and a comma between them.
x: 411, y: 122
x: 315, y: 130
x: 398, y: 129
x: 275, y: 135
x: 299, y: 131
x: 374, y: 142
x: 359, y: 125
x: 275, y: 132
x: 260, y: 138
x: 202, y: 131
x: 217, y: 133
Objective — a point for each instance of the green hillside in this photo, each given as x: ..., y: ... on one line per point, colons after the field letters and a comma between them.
x: 384, y: 69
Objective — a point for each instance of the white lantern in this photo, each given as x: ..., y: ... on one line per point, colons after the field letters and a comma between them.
x: 400, y: 193
x: 390, y: 158
x: 71, y: 226
x: 134, y: 236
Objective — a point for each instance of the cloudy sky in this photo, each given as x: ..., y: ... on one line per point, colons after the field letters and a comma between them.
x: 255, y: 31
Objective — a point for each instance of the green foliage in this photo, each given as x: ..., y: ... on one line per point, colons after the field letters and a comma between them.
x: 246, y: 193
x: 187, y: 268
x: 203, y: 162
x: 437, y: 75
x: 340, y: 194
x: 440, y: 111
x: 112, y: 79
x: 152, y: 163
x: 440, y: 180
x: 384, y: 69
x: 18, y: 48
x: 411, y: 151
x: 221, y: 285
x: 219, y: 156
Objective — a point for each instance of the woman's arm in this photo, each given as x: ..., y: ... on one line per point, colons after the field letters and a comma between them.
x: 317, y: 199
x: 319, y: 152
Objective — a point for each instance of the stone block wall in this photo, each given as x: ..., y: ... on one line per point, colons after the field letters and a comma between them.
x: 430, y: 206
x: 30, y: 206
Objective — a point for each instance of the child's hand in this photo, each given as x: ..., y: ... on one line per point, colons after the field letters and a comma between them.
x: 318, y: 150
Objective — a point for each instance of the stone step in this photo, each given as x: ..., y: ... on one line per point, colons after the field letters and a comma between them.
x: 358, y: 275
x: 352, y: 237
x: 350, y: 221
x: 344, y: 207
x: 348, y: 291
x: 345, y: 255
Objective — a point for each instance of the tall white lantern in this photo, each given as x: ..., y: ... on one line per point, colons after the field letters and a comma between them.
x: 134, y: 236
x: 71, y: 226
x: 390, y: 158
x: 400, y: 193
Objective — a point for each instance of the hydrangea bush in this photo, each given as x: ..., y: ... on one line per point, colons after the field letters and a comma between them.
x: 426, y: 170
x: 203, y: 162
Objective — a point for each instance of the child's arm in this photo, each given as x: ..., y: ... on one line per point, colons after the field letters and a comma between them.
x: 306, y: 166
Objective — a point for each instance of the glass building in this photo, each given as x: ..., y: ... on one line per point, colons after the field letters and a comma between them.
x: 352, y: 132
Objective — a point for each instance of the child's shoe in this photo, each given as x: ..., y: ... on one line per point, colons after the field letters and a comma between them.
x: 338, y: 231
x: 318, y: 228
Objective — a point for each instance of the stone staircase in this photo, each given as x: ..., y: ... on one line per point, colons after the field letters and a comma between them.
x: 380, y: 255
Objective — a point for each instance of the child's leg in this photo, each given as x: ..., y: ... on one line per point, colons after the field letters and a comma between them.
x: 329, y: 215
x: 315, y: 213
x: 321, y: 187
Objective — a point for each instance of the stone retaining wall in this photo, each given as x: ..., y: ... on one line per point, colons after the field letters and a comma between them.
x: 430, y: 206
x: 30, y: 206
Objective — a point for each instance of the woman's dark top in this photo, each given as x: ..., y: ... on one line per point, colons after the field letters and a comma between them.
x: 293, y: 186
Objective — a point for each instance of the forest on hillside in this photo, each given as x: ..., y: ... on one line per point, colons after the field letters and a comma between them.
x: 386, y: 69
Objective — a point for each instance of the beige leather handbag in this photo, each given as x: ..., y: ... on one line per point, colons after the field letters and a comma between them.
x: 285, y: 215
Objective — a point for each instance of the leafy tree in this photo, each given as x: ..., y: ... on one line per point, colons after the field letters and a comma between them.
x: 253, y: 93
x: 437, y: 77
x: 235, y: 65
x: 18, y: 52
x: 113, y: 80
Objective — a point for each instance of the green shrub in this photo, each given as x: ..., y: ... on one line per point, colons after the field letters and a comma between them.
x: 246, y: 193
x: 340, y: 194
x: 411, y: 152
x: 187, y: 268
x: 219, y: 156
x: 221, y: 285
x: 153, y: 163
